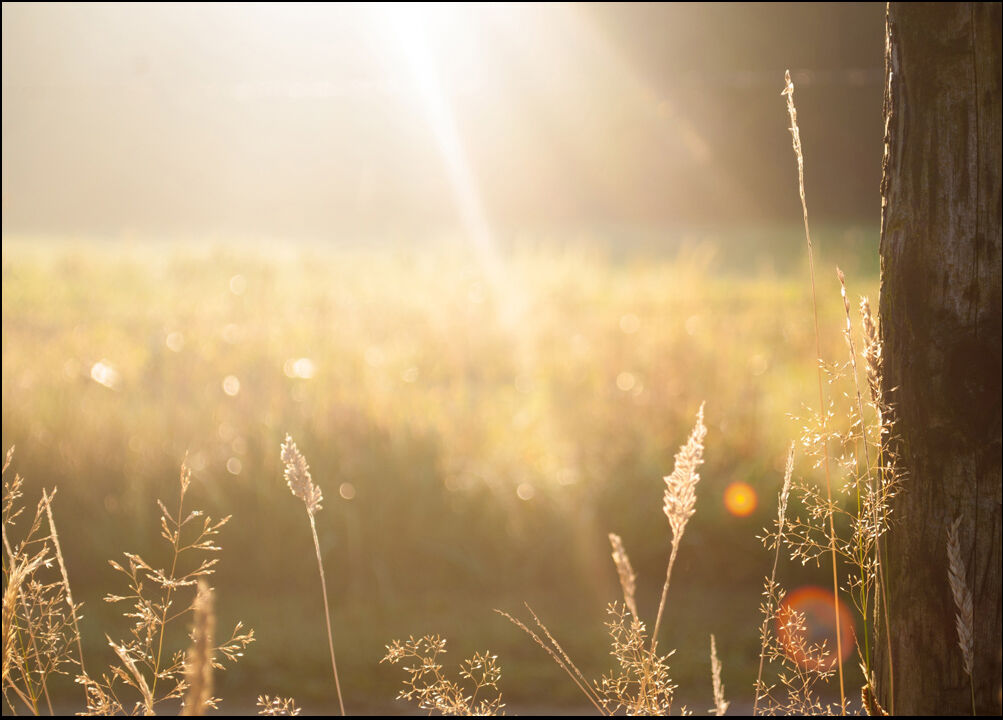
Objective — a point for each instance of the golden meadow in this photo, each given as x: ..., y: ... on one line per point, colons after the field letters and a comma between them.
x: 477, y: 431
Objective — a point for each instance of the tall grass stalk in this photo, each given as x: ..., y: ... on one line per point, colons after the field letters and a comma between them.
x: 176, y: 548
x: 861, y: 547
x: 785, y: 492
x: 36, y: 641
x: 54, y: 536
x: 21, y: 570
x: 297, y: 474
x: 887, y: 475
x: 880, y: 595
x: 558, y: 655
x: 625, y: 571
x: 720, y: 704
x: 156, y: 599
x: 680, y: 502
x: 796, y: 142
x: 20, y: 573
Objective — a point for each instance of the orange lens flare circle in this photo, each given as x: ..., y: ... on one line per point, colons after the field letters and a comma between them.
x: 740, y: 499
x: 806, y: 627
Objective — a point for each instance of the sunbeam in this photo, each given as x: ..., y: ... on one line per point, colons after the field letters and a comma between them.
x: 408, y: 23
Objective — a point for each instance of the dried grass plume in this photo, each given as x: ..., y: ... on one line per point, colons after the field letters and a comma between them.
x: 297, y: 474
x: 720, y: 704
x: 680, y: 502
x: 680, y: 486
x: 628, y: 580
x: 962, y: 597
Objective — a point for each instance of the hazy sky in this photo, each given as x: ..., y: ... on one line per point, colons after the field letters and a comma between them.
x: 340, y: 119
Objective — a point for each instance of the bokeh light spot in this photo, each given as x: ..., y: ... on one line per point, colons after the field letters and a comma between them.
x: 104, y: 374
x: 525, y: 491
x: 231, y: 385
x: 626, y: 381
x: 811, y: 642
x: 740, y: 499
x: 303, y: 368
x: 347, y: 491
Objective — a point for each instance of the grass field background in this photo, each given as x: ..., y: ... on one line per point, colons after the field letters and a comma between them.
x: 477, y: 431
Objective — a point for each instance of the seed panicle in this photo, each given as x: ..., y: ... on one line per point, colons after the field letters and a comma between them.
x: 962, y: 597
x: 628, y: 580
x: 297, y: 474
x: 720, y: 704
x: 680, y: 486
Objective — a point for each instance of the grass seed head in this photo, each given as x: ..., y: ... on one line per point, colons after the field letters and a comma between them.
x: 962, y: 597
x: 297, y: 474
x: 680, y: 486
x: 277, y: 706
x: 720, y: 704
x: 628, y: 580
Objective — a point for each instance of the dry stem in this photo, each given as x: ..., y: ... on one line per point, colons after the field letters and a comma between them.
x: 564, y: 664
x: 47, y: 499
x: 785, y: 492
x: 297, y: 474
x: 796, y: 140
x: 680, y: 502
x: 879, y: 577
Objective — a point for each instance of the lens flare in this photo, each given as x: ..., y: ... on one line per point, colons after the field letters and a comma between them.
x: 740, y: 499
x: 806, y: 627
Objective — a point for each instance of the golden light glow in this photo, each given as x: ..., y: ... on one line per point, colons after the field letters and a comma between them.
x: 412, y: 31
x: 429, y: 117
x: 740, y: 499
x: 806, y: 620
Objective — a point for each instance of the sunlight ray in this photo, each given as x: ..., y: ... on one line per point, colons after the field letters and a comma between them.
x: 408, y: 24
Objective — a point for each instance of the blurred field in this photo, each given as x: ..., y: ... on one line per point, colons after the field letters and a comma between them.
x: 477, y: 431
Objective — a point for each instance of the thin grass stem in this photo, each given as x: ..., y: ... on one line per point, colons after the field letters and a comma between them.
x: 796, y: 140
x: 781, y: 517
x: 879, y: 577
x: 665, y: 593
x: 170, y: 588
x: 66, y: 578
x: 31, y: 637
x: 327, y: 613
x: 583, y: 686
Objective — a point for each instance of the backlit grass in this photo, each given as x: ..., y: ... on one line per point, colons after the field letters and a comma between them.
x: 477, y: 431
